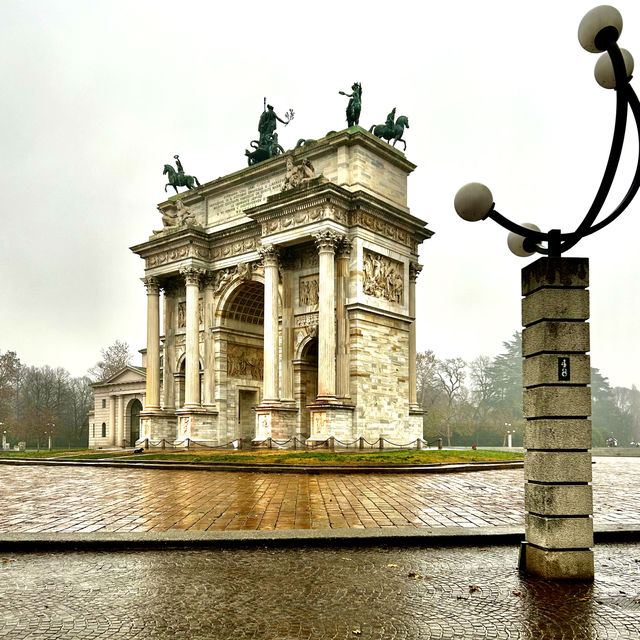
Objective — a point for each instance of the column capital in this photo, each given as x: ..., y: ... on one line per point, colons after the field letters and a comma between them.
x: 344, y: 247
x: 269, y: 255
x: 414, y: 271
x: 326, y: 240
x: 192, y: 274
x: 152, y: 285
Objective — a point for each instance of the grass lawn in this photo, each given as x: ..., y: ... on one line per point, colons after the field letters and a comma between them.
x: 265, y: 456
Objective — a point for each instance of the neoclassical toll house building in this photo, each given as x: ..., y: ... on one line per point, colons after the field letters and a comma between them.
x: 286, y: 294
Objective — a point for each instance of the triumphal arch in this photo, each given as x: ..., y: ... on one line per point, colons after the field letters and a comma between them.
x: 288, y: 300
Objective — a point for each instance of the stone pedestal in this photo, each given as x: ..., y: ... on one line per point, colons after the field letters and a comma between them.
x: 557, y: 405
x: 331, y: 419
x: 278, y: 423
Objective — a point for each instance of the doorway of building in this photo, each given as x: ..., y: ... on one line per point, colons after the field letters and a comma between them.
x: 134, y: 421
x: 247, y: 402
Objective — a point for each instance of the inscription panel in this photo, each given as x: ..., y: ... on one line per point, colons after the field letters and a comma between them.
x: 235, y: 202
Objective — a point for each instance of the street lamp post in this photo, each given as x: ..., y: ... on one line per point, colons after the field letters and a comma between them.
x: 555, y: 338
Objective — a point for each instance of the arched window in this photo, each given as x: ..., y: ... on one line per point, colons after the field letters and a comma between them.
x: 104, y: 429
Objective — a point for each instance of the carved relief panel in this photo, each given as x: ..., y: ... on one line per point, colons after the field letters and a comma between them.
x: 308, y: 288
x: 244, y: 361
x: 182, y: 313
x: 383, y: 277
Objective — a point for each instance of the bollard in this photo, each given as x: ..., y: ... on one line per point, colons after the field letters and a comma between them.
x: 146, y: 443
x: 381, y: 443
x: 188, y: 441
x: 419, y: 444
x: 295, y: 443
x: 163, y: 444
x: 332, y: 443
x: 270, y: 445
x: 439, y: 443
x: 360, y: 443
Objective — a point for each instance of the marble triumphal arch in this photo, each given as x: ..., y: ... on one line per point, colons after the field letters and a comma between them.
x: 281, y: 300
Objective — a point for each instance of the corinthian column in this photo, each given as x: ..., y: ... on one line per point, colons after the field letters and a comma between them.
x: 342, y: 321
x: 209, y: 356
x: 270, y: 261
x: 326, y: 242
x: 192, y: 365
x: 414, y: 271
x: 153, y: 344
x: 169, y: 346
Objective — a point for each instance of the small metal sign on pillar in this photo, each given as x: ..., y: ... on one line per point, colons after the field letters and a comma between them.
x: 557, y: 405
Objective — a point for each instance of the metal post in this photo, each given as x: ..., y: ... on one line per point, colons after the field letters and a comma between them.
x: 439, y: 443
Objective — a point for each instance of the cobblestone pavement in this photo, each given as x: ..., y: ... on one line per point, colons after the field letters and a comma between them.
x: 389, y: 593
x: 88, y: 499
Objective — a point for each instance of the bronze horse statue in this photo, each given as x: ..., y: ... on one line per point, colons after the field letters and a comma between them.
x: 391, y: 132
x: 177, y: 179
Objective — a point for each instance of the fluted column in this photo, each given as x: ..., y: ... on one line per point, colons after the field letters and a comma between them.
x: 414, y: 271
x: 192, y: 277
x: 326, y: 242
x: 168, y: 370
x: 287, y: 329
x: 209, y: 356
x: 153, y: 344
x: 342, y: 321
x: 270, y: 261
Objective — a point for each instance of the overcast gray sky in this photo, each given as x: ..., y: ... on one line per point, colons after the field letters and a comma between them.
x: 97, y: 96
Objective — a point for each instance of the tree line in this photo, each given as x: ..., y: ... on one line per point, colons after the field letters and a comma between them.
x: 41, y: 402
x: 479, y: 401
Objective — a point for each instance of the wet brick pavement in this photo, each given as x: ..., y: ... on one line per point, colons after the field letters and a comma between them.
x: 90, y: 499
x: 389, y: 593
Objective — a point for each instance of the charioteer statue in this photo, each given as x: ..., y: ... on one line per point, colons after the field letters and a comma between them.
x: 267, y: 145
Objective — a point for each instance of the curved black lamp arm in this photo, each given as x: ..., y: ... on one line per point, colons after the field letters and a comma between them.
x: 558, y: 242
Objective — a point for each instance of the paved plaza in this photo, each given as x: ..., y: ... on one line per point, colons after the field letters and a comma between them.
x: 382, y: 593
x: 93, y: 499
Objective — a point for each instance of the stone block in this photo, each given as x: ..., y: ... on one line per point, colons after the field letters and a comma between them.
x: 559, y: 533
x: 558, y: 433
x: 543, y: 369
x: 555, y: 272
x: 552, y: 401
x: 557, y: 466
x: 558, y: 499
x: 557, y: 337
x: 555, y: 304
x: 558, y: 565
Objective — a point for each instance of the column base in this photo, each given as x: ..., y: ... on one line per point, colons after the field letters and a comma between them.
x: 275, y: 421
x: 200, y: 424
x: 331, y: 419
x: 575, y: 564
x: 156, y: 425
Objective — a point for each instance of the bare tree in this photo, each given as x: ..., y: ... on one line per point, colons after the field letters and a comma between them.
x: 451, y: 375
x: 114, y: 358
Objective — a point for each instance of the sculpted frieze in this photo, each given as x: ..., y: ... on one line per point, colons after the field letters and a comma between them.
x: 234, y: 248
x: 304, y: 216
x: 380, y: 226
x: 383, y: 277
x: 245, y: 361
x: 177, y: 253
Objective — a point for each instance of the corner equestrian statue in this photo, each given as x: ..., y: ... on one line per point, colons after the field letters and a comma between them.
x: 355, y: 104
x: 267, y: 145
x: 178, y: 178
x: 390, y: 130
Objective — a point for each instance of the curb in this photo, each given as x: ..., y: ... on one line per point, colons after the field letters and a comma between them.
x: 272, y: 468
x: 438, y: 536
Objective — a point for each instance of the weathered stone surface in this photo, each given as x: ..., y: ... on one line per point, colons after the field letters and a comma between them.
x: 548, y: 401
x: 559, y: 565
x: 555, y: 304
x: 555, y: 272
x: 557, y: 466
x: 558, y: 434
x: 559, y: 533
x: 543, y: 369
x: 558, y: 500
x: 556, y: 337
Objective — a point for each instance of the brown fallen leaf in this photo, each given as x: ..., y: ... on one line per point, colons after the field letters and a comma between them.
x: 413, y: 574
x: 472, y: 588
x: 391, y: 564
x: 6, y: 560
x: 518, y: 593
x: 357, y: 632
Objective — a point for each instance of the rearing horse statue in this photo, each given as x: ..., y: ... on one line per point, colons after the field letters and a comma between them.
x: 391, y: 132
x: 177, y: 179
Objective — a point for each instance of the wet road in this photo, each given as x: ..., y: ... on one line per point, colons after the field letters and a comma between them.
x: 313, y: 593
x: 88, y: 499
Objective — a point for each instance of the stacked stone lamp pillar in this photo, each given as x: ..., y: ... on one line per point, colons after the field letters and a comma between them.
x: 557, y: 406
